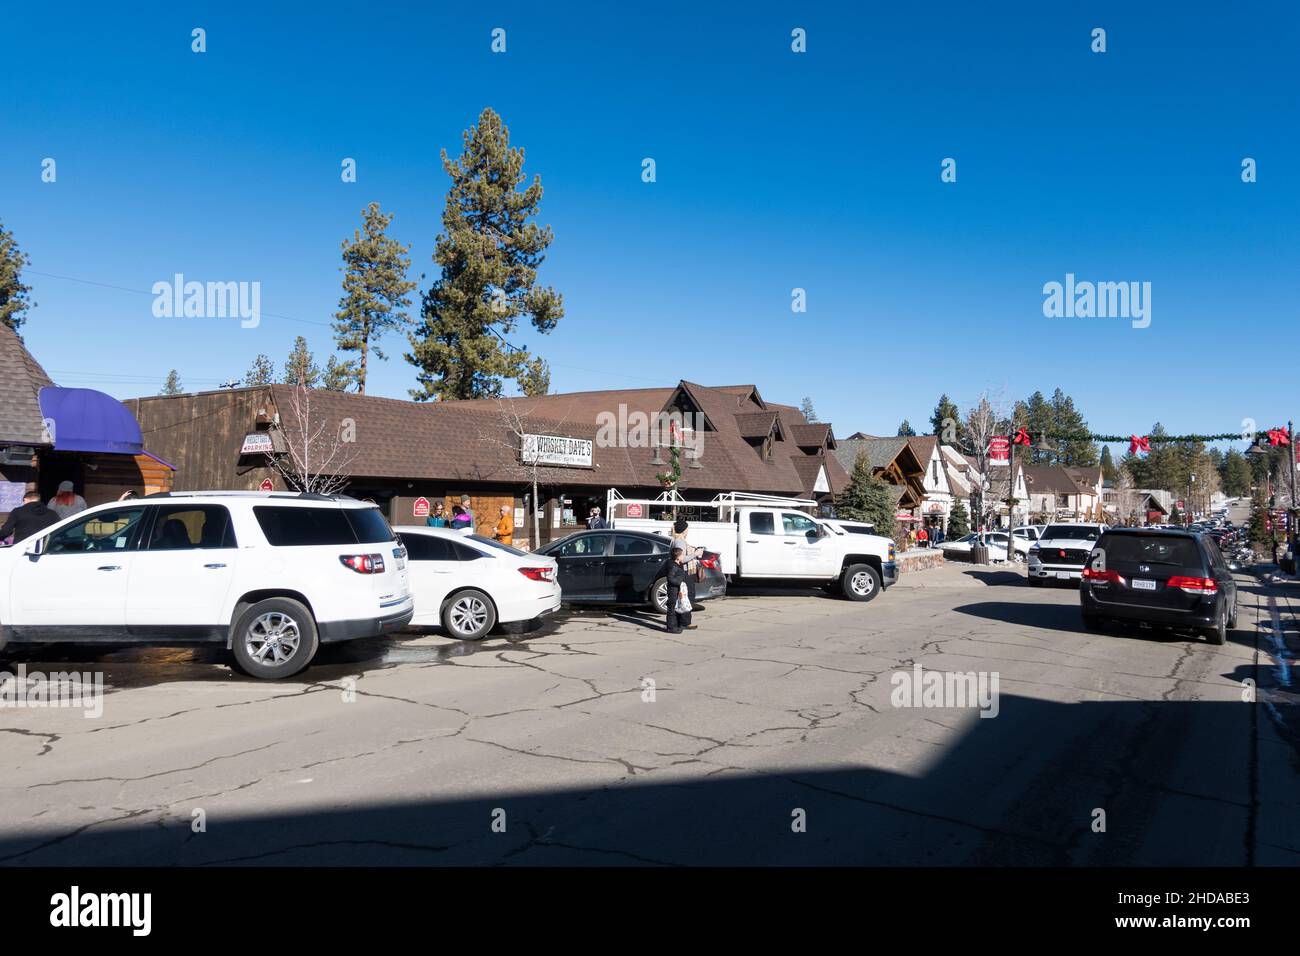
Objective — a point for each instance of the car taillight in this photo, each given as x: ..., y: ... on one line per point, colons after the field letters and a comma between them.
x: 1110, y: 577
x: 538, y: 574
x: 364, y: 563
x: 1193, y: 585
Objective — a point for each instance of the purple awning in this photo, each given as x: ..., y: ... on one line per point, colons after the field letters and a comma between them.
x: 82, y: 419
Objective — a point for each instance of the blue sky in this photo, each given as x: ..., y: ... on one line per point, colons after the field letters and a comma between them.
x: 775, y: 171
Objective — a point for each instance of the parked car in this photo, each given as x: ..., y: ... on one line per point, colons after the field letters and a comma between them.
x: 962, y: 548
x: 1024, y: 537
x: 850, y: 527
x: 624, y: 567
x: 270, y: 575
x: 1062, y: 551
x: 1173, y: 578
x: 468, y: 583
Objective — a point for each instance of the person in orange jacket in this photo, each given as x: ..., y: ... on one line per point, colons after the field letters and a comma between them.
x: 505, y: 530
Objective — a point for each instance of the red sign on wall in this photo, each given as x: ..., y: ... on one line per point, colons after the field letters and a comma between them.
x: 634, y: 511
x: 267, y: 485
x: 999, y: 448
x: 421, y: 508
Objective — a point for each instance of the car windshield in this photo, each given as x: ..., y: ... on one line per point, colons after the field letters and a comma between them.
x: 1074, y: 532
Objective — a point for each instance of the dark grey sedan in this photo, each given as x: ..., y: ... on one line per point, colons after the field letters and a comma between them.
x: 625, y: 567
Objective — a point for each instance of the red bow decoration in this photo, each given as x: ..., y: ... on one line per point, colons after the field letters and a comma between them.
x: 1137, y: 443
x: 1022, y: 438
x: 1277, y: 436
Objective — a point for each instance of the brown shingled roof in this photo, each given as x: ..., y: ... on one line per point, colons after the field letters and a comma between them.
x: 21, y: 381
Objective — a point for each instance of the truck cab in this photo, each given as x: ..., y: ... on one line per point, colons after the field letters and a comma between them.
x: 785, y: 543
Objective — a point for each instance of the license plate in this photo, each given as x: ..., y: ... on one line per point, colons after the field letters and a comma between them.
x: 399, y: 554
x: 1141, y: 585
x: 1063, y: 575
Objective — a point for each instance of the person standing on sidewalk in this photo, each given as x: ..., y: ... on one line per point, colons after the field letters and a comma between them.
x: 505, y: 530
x: 28, y: 518
x: 677, y: 590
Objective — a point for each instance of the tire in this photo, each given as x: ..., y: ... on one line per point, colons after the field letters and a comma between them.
x: 1219, y: 634
x: 861, y: 582
x: 468, y: 615
x: 658, y: 596
x: 1232, y: 621
x: 279, y: 628
x: 1035, y: 581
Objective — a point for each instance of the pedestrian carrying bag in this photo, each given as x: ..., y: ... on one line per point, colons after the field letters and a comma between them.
x: 683, y: 605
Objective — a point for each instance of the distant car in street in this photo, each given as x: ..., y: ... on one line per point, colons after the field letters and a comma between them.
x: 1173, y: 578
x: 269, y: 575
x: 624, y: 567
x: 1024, y: 537
x: 1062, y: 551
x: 468, y: 583
x: 962, y: 548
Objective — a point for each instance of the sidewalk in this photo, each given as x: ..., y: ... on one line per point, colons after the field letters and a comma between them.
x: 1272, y: 611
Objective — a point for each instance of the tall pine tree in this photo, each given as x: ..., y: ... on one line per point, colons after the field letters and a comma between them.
x: 905, y: 429
x: 958, y: 521
x: 15, y: 295
x: 868, y: 498
x: 945, y: 421
x: 301, y: 368
x: 376, y: 291
x: 489, y: 253
x: 260, y: 372
x: 172, y: 386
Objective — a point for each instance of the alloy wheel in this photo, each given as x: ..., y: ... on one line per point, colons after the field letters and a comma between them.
x: 272, y: 638
x: 468, y: 615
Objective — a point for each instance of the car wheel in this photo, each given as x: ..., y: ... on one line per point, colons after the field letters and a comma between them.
x: 1035, y: 581
x: 1232, y: 621
x: 659, y: 595
x: 860, y: 582
x: 468, y: 615
x: 1219, y: 633
x: 275, y: 638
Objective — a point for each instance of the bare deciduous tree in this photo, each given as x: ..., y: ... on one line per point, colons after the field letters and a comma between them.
x: 319, y: 450
x: 509, y: 435
x: 987, y: 418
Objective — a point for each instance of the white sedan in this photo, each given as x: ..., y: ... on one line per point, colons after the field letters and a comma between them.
x: 995, y: 541
x: 468, y: 583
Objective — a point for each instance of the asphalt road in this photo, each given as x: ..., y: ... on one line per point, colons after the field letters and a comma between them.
x: 771, y: 737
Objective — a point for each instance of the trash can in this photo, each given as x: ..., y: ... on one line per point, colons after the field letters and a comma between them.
x: 980, y: 554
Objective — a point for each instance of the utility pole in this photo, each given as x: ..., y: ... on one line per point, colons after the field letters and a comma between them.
x: 1291, y: 505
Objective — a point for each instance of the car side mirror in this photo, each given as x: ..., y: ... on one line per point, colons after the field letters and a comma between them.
x: 35, y: 548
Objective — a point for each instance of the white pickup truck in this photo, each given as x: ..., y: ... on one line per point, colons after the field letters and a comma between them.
x: 767, y: 538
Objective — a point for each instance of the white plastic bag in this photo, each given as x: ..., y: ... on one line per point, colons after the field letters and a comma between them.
x: 683, y: 605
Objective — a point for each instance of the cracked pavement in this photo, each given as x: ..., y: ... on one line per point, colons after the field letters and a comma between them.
x: 548, y: 747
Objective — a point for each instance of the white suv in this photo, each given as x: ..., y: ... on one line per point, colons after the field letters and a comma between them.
x: 271, y: 575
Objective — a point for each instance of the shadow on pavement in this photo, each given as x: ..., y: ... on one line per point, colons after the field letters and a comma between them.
x: 1020, y: 789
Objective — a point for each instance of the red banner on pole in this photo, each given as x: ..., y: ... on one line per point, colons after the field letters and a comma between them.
x: 999, y: 448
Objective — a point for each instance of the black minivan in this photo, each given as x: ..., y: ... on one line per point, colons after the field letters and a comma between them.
x: 1173, y: 578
